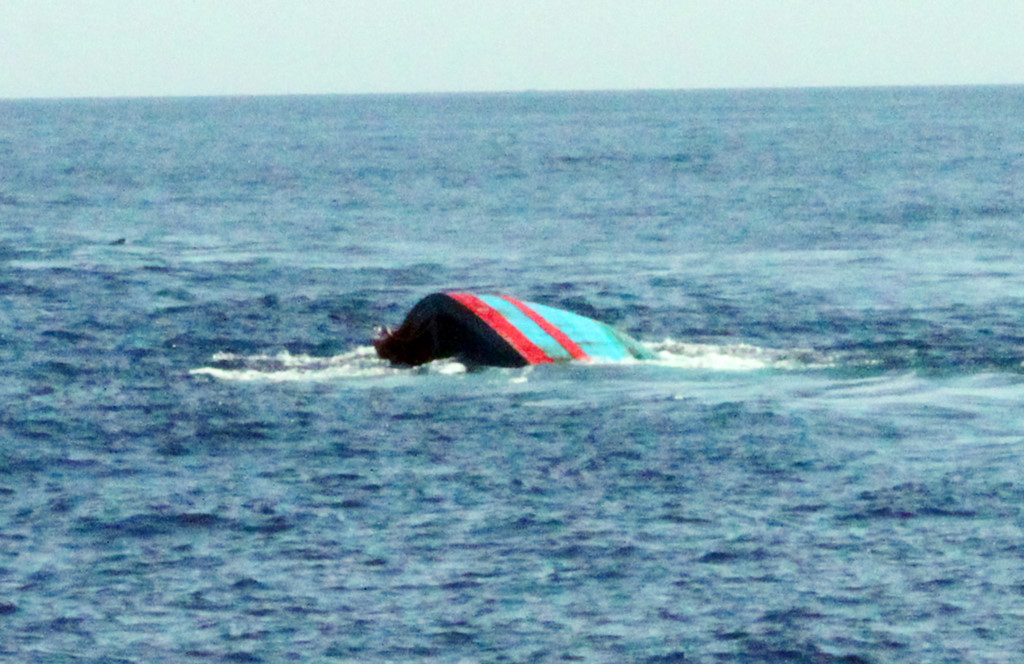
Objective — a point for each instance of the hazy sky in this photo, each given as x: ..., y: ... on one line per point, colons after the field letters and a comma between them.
x: 72, y: 48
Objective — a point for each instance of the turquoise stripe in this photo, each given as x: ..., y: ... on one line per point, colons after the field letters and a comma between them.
x: 596, y: 339
x: 531, y: 330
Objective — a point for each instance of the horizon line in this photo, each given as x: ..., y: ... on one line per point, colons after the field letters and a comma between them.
x: 517, y: 91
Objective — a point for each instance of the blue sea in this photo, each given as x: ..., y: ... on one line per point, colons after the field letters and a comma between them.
x: 202, y: 459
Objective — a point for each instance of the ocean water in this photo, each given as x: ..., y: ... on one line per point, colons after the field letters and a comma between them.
x: 202, y: 460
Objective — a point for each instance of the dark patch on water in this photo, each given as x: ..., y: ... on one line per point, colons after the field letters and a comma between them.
x: 770, y: 652
x: 727, y: 556
x: 908, y: 501
x: 670, y: 658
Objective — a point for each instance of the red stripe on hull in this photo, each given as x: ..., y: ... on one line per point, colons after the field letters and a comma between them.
x: 562, y: 338
x: 530, y: 351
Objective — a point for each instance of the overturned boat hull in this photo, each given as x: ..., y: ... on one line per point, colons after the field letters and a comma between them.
x: 499, y: 330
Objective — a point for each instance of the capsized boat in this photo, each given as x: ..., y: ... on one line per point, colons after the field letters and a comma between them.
x: 499, y: 330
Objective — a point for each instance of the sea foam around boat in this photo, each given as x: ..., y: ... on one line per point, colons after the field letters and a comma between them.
x: 734, y: 357
x: 282, y: 367
x: 362, y: 363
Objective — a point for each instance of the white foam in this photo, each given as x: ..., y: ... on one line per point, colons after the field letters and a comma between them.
x: 363, y: 363
x: 286, y: 367
x: 733, y: 357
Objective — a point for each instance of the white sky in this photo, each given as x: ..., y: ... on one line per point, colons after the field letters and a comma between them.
x: 101, y: 48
